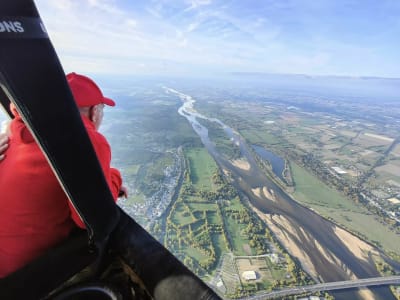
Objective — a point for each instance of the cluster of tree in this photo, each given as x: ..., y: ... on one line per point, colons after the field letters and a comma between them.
x: 297, y: 275
x: 208, y: 263
x: 327, y: 296
x: 240, y: 292
x: 224, y: 191
x: 384, y: 269
x: 188, y: 172
x: 256, y: 235
x: 187, y: 189
x: 287, y: 174
x: 241, y: 216
x: 217, y: 177
x: 225, y: 232
x: 203, y: 240
x: 193, y: 265
x: 187, y: 211
x: 394, y: 255
x: 255, y: 230
x: 156, y: 229
x: 228, y: 149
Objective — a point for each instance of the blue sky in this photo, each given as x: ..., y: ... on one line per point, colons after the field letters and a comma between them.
x: 209, y: 37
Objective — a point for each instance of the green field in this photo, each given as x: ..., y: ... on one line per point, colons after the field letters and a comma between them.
x: 219, y: 244
x: 276, y: 272
x: 195, y: 253
x: 136, y: 198
x: 182, y: 216
x: 257, y: 136
x: 132, y: 169
x: 202, y: 166
x: 331, y: 204
x: 202, y: 206
x: 237, y: 238
x: 194, y: 226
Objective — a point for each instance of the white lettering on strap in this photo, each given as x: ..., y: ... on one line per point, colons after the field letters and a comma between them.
x: 11, y: 26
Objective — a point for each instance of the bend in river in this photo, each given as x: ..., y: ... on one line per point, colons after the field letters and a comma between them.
x: 326, y: 252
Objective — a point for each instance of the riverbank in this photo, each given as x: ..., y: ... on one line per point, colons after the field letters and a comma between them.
x: 312, y: 193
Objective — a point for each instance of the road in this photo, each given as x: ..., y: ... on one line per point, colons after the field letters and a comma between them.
x: 329, y: 286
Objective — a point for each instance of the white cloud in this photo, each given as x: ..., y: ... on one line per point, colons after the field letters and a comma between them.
x: 63, y: 4
x: 161, y: 36
x: 197, y: 3
x: 106, y: 6
x: 155, y: 11
x: 192, y: 26
x: 183, y: 43
x: 131, y: 22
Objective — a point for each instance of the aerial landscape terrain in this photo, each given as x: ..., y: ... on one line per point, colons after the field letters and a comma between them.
x: 256, y: 187
x: 258, y: 141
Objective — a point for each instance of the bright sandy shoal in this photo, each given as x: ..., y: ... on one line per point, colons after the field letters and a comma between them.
x: 358, y: 247
x: 241, y: 164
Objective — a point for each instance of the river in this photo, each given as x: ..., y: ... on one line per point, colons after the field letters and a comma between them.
x: 326, y: 252
x: 276, y: 162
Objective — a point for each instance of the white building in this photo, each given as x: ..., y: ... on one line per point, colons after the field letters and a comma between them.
x: 249, y: 275
x: 339, y: 170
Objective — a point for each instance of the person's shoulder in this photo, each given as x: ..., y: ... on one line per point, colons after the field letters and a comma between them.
x: 101, y: 138
x: 92, y: 131
x: 96, y: 137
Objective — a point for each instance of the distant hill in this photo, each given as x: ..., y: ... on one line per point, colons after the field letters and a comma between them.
x: 305, y: 76
x: 373, y: 88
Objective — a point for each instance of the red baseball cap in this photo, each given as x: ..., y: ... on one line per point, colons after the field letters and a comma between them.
x: 86, y: 92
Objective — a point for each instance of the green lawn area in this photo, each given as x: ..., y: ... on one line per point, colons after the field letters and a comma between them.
x: 181, y: 217
x: 198, y: 214
x: 202, y: 206
x: 213, y: 218
x: 202, y: 166
x: 235, y: 204
x: 197, y: 225
x: 277, y: 272
x: 196, y: 254
x: 310, y: 190
x: 256, y: 136
x: 136, y: 198
x: 313, y: 193
x: 219, y: 244
x: 132, y: 169
x: 237, y: 239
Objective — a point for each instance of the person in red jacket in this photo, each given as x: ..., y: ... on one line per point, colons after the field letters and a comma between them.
x: 35, y: 213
